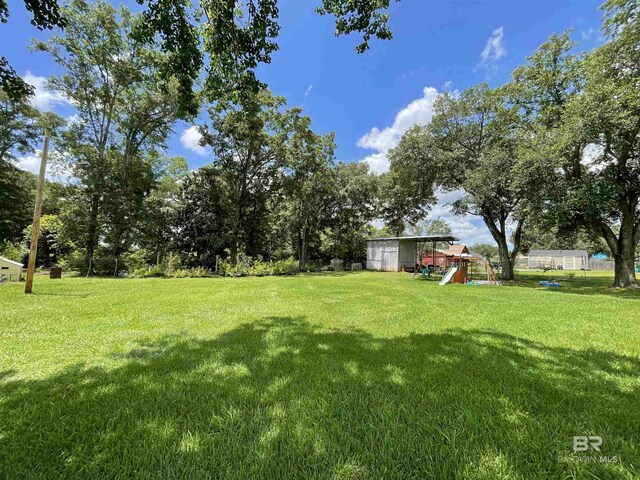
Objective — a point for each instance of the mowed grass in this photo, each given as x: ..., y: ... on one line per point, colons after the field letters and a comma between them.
x: 355, y: 375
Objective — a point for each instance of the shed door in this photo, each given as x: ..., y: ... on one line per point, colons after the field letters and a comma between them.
x: 569, y: 263
x: 385, y: 261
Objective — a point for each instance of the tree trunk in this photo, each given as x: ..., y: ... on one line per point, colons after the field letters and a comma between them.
x: 235, y: 244
x: 623, y: 249
x: 625, y: 273
x: 505, y: 261
x: 302, y: 261
x: 625, y: 258
x: 92, y: 234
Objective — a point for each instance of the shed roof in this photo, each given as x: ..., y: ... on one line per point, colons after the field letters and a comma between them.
x: 558, y: 253
x: 419, y: 238
x: 11, y: 262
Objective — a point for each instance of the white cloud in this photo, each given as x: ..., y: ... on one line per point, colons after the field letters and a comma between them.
x: 378, y: 162
x: 30, y: 163
x: 308, y: 90
x: 586, y: 34
x: 468, y: 228
x: 74, y: 118
x: 44, y: 99
x: 419, y: 111
x: 56, y: 170
x: 493, y: 51
x: 190, y: 139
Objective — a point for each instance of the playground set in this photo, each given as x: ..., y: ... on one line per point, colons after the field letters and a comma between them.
x: 456, y: 265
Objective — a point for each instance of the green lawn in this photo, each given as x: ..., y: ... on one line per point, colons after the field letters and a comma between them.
x: 358, y: 375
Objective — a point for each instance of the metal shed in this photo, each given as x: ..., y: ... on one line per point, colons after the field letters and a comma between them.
x: 10, y: 270
x: 392, y: 254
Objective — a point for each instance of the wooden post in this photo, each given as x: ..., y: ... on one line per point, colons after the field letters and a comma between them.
x: 35, y: 227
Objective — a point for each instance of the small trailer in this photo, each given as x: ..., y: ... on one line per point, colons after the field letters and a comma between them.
x: 10, y: 270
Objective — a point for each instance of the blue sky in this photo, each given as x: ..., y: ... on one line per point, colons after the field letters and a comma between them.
x: 368, y: 100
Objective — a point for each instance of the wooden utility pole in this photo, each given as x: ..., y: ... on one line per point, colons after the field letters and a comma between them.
x: 35, y: 228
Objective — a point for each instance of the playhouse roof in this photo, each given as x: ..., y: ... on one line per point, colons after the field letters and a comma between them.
x: 457, y: 250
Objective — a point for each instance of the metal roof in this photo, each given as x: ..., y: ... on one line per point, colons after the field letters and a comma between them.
x: 419, y: 238
x: 558, y: 253
x: 11, y: 261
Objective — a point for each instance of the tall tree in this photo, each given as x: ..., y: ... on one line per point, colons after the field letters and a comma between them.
x: 21, y: 127
x: 249, y: 147
x: 407, y: 189
x: 202, y: 223
x: 355, y: 206
x: 309, y: 184
x: 124, y: 110
x: 606, y: 191
x: 470, y: 145
x: 584, y: 118
x: 19, y: 133
x: 161, y: 206
x: 17, y: 193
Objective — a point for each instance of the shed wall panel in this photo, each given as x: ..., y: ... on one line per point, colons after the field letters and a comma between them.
x: 382, y: 255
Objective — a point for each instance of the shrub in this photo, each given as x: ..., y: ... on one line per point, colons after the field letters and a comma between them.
x: 261, y: 269
x: 256, y: 267
x: 74, y: 261
x: 12, y: 251
x: 571, y: 275
x: 181, y: 273
x: 148, y: 272
x: 172, y: 263
x: 199, y: 272
x: 135, y: 260
x: 196, y: 272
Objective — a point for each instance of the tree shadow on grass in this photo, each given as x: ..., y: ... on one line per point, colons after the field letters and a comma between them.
x: 577, y: 285
x: 282, y: 398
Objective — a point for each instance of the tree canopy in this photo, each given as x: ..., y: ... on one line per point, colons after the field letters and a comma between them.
x: 231, y: 38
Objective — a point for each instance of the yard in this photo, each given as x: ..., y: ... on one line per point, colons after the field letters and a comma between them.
x: 355, y: 375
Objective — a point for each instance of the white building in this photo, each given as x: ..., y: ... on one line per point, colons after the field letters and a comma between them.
x: 393, y: 254
x: 10, y: 270
x: 559, y: 259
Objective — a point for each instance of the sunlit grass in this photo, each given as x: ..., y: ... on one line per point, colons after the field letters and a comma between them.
x: 360, y: 375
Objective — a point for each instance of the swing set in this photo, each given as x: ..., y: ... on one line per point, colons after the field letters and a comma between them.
x: 455, y: 265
